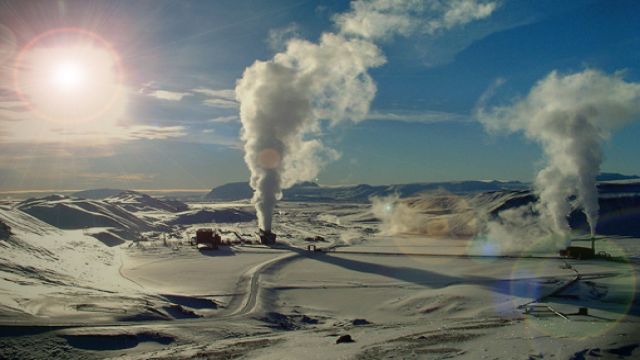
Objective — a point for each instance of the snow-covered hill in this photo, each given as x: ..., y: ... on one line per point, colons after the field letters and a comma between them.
x: 97, y: 194
x: 5, y: 230
x: 72, y: 213
x: 17, y: 221
x: 46, y: 272
x: 134, y: 201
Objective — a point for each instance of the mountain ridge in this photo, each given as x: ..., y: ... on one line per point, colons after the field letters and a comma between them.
x: 313, y: 192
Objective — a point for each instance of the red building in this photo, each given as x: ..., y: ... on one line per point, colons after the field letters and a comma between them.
x: 207, y: 238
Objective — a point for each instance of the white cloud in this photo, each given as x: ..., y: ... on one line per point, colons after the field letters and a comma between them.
x: 168, y: 95
x: 221, y: 103
x: 117, y: 176
x: 460, y: 12
x: 220, y: 93
x: 278, y: 38
x: 225, y: 119
x: 86, y: 134
x: 490, y: 92
x: 219, y: 98
x: 382, y: 19
x: 426, y: 117
x: 149, y: 132
x: 9, y: 115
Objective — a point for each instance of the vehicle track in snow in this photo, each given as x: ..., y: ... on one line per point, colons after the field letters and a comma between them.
x: 249, y: 282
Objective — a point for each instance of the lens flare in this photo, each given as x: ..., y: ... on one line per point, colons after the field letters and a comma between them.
x: 608, y: 294
x: 69, y: 75
x: 269, y: 159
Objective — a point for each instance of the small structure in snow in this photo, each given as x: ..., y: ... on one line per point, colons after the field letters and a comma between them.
x: 541, y: 310
x: 315, y: 239
x: 344, y: 339
x: 360, y: 322
x: 267, y: 237
x: 583, y: 311
x: 315, y: 249
x: 580, y: 252
x: 207, y: 238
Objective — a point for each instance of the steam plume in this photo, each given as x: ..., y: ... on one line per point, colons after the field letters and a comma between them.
x: 283, y: 99
x: 436, y: 213
x: 570, y: 116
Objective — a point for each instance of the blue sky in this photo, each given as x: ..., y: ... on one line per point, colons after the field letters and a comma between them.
x: 179, y: 126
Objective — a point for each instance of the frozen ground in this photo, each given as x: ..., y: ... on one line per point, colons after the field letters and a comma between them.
x: 67, y: 294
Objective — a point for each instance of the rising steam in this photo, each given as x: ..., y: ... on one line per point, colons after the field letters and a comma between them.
x: 436, y: 213
x: 569, y: 116
x: 283, y: 99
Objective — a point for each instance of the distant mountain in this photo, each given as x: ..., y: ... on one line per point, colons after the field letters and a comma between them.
x: 618, y: 214
x: 231, y: 192
x: 615, y: 177
x: 97, y: 194
x: 309, y: 191
x: 135, y: 201
x: 219, y: 216
x: 617, y: 187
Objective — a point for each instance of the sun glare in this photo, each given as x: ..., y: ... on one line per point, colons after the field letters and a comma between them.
x: 69, y: 75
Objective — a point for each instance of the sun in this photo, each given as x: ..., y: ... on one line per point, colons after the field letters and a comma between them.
x: 69, y: 76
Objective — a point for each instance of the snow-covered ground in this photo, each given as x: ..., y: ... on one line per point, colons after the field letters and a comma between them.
x: 68, y: 293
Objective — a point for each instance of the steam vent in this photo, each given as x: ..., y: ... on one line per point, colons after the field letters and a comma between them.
x: 267, y: 237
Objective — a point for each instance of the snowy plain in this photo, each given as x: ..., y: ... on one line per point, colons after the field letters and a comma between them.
x: 74, y: 293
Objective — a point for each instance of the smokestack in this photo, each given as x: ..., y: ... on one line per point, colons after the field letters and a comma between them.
x: 283, y: 100
x: 570, y: 116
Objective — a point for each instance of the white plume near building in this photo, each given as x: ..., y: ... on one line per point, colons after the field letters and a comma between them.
x: 283, y: 100
x: 570, y: 116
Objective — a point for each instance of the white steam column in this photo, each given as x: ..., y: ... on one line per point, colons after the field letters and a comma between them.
x: 283, y: 100
x: 570, y: 116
